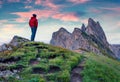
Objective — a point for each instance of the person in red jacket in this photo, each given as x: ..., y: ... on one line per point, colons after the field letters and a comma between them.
x: 33, y: 23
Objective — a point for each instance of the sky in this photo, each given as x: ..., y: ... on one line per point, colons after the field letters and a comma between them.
x: 54, y: 14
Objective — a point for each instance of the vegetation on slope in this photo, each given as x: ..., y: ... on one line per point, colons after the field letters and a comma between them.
x: 39, y: 62
x: 99, y: 68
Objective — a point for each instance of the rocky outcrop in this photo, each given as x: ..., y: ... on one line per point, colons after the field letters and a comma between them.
x: 90, y: 38
x: 116, y: 50
x: 94, y: 29
x: 5, y: 47
x: 15, y: 42
x: 62, y: 38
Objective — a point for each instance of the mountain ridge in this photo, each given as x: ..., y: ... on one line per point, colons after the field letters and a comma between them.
x: 89, y: 38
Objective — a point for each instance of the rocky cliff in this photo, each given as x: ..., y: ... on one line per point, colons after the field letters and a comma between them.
x: 15, y: 42
x: 90, y: 38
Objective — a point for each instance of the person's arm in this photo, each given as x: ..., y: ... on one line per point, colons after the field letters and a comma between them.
x: 36, y: 23
x: 29, y: 22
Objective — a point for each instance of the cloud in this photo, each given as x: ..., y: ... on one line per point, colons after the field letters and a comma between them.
x: 118, y: 24
x: 51, y: 5
x: 95, y: 10
x: 38, y: 2
x: 23, y: 16
x: 28, y: 7
x: 27, y: 1
x: 42, y: 14
x: 3, y: 21
x: 0, y: 2
x: 115, y: 9
x: 110, y: 11
x: 13, y: 0
x: 8, y: 31
x: 66, y: 17
x: 84, y: 21
x: 79, y: 1
x: 107, y: 12
x: 115, y: 39
x: 47, y: 4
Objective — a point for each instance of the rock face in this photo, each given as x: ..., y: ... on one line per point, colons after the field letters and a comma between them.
x: 62, y: 38
x: 94, y: 29
x: 116, y: 50
x: 90, y: 38
x: 15, y: 42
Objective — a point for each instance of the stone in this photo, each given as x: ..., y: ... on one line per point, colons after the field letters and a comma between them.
x: 15, y: 42
x: 4, y: 47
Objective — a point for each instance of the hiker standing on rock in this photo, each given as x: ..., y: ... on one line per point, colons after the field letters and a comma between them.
x: 33, y: 22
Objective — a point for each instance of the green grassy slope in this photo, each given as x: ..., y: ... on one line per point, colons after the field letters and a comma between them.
x: 41, y: 62
x: 99, y: 68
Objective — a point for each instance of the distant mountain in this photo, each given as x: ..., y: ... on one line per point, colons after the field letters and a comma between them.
x: 90, y: 38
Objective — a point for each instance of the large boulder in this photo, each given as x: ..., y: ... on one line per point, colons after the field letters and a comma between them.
x: 15, y: 42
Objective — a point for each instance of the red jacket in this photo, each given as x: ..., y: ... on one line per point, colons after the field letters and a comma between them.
x: 33, y: 22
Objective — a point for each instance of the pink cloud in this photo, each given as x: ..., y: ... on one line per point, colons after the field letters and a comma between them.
x: 38, y: 2
x: 21, y: 20
x: 13, y: 0
x: 66, y: 17
x: 24, y: 16
x: 47, y: 4
x: 79, y: 1
x: 51, y: 5
x: 42, y: 14
x: 3, y: 21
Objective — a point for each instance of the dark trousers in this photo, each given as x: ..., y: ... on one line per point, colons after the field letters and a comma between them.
x: 33, y: 30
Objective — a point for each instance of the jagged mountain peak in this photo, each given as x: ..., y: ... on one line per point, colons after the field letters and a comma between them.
x: 62, y: 29
x: 91, y: 22
x: 83, y: 28
x: 90, y: 38
x: 95, y: 30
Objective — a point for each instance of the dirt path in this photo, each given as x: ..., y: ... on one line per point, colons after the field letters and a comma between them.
x: 75, y: 74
